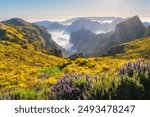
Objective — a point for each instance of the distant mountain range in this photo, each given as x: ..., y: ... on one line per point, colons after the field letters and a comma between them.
x: 82, y: 31
x: 102, y: 32
x: 95, y: 24
x: 52, y: 26
x: 90, y: 44
x: 99, y: 19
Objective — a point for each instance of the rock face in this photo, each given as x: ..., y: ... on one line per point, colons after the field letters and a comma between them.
x: 94, y: 45
x: 24, y: 33
x: 128, y: 30
x: 88, y: 43
x: 81, y: 39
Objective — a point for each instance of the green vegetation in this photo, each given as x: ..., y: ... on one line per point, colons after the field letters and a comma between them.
x: 139, y: 48
x: 50, y: 71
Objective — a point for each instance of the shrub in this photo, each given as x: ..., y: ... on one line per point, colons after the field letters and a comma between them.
x: 50, y: 71
x: 139, y: 72
x: 81, y: 86
x: 37, y: 92
x: 71, y: 87
x: 129, y: 89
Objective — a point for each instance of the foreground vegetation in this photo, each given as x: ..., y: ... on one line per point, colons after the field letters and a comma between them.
x: 29, y: 74
x: 132, y: 82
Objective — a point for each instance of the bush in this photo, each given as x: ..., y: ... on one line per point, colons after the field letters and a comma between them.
x: 133, y: 82
x: 81, y: 86
x: 50, y: 71
x: 139, y: 72
x: 71, y: 87
x: 129, y: 89
x: 37, y: 92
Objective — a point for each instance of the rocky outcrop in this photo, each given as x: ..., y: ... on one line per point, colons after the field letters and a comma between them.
x: 81, y: 39
x: 128, y: 30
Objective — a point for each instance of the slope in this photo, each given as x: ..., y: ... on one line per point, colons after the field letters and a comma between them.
x: 21, y: 32
x: 20, y: 67
x: 139, y: 48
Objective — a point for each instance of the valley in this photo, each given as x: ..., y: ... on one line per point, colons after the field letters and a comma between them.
x: 115, y: 64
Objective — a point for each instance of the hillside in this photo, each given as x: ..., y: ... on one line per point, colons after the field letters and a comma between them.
x: 19, y: 67
x: 28, y: 72
x: 139, y: 48
x: 21, y: 32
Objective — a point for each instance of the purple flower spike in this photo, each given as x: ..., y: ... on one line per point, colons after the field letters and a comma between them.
x: 96, y: 78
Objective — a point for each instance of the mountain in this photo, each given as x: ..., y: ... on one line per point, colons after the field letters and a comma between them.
x: 93, y: 24
x: 82, y: 23
x: 139, y: 48
x: 95, y: 45
x: 51, y: 26
x: 21, y: 32
x: 128, y: 30
x: 82, y: 39
x: 90, y: 44
x: 17, y: 22
x: 99, y: 19
x: 147, y: 33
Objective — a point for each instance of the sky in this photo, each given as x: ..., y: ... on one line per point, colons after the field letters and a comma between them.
x: 61, y: 9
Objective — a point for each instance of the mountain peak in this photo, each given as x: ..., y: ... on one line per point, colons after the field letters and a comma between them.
x: 134, y: 19
x: 130, y: 29
x: 17, y: 22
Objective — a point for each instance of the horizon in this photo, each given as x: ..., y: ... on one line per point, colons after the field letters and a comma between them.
x: 61, y: 19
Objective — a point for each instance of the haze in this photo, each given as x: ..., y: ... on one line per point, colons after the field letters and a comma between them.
x: 62, y: 9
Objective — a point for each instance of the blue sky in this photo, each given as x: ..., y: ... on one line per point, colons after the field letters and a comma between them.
x: 40, y: 9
